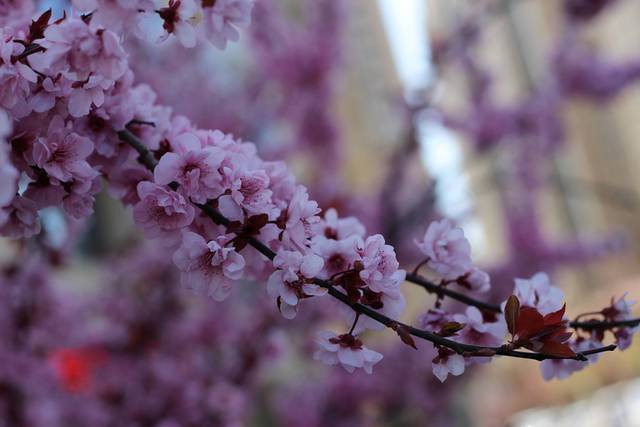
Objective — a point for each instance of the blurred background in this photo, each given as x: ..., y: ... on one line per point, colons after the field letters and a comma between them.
x: 515, y: 118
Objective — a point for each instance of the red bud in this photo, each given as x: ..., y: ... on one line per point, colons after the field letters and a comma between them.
x: 511, y: 311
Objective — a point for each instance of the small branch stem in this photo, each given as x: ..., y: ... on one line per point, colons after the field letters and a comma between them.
x: 146, y: 157
x: 355, y: 322
x: 29, y: 50
x: 415, y: 270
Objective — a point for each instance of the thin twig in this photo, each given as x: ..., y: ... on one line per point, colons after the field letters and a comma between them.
x: 600, y: 324
x: 442, y: 291
x: 28, y: 51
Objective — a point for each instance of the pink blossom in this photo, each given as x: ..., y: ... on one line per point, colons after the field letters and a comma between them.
x: 624, y: 336
x: 45, y: 193
x: 447, y: 249
x: 15, y: 77
x: 338, y: 255
x: 346, y: 350
x: 479, y: 332
x: 298, y: 218
x: 537, y: 292
x: 88, y: 60
x: 63, y: 153
x: 619, y: 309
x: 16, y: 13
x: 477, y: 280
x: 208, y: 266
x: 139, y: 102
x: 79, y: 200
x: 161, y: 210
x: 281, y: 181
x: 248, y: 192
x: 221, y: 17
x: 561, y: 369
x: 370, y: 274
x: 220, y: 139
x: 194, y: 168
x: 292, y: 282
x: 172, y: 17
x: 434, y: 319
x: 447, y: 362
x: 124, y: 184
x: 333, y: 227
x: 44, y: 98
x: 90, y: 93
x: 78, y: 51
x: 380, y: 268
x: 22, y: 219
x: 117, y: 15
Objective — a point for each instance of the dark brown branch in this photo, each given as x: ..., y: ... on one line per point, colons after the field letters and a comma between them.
x: 29, y: 50
x: 603, y: 324
x: 147, y: 159
x: 442, y: 291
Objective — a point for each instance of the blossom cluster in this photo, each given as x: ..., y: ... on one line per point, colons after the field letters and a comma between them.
x: 471, y: 327
x: 211, y: 202
x: 215, y: 21
x: 448, y: 254
x: 71, y: 95
x: 547, y: 303
x: 535, y: 318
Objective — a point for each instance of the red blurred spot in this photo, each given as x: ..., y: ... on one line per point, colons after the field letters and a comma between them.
x: 75, y: 367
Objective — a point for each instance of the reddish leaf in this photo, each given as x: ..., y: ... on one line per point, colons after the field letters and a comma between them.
x: 256, y: 222
x: 234, y: 227
x: 239, y: 243
x: 555, y: 317
x: 450, y: 329
x: 37, y: 27
x: 511, y: 311
x: 404, y: 335
x: 559, y: 336
x: 554, y: 348
x: 530, y: 322
x: 64, y: 16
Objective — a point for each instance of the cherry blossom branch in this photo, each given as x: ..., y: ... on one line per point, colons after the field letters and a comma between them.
x: 441, y: 291
x: 403, y: 330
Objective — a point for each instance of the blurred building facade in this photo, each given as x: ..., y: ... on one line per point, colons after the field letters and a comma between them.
x: 592, y: 188
x: 593, y: 184
x: 368, y: 98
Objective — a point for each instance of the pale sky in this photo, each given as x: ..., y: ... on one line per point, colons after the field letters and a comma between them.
x: 406, y: 26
